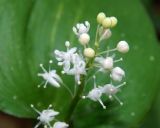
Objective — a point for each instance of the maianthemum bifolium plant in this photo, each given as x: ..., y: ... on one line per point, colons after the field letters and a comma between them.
x: 78, y: 63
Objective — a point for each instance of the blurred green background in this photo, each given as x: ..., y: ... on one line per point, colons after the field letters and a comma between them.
x: 33, y: 21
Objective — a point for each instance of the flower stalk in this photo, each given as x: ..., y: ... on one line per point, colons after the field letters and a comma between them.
x: 76, y: 64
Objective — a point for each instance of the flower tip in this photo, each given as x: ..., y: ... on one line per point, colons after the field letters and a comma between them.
x: 104, y: 107
x: 63, y: 72
x: 41, y: 65
x: 50, y: 106
x: 83, y: 97
x: 50, y: 61
x: 121, y: 103
x: 67, y: 43
x: 32, y: 106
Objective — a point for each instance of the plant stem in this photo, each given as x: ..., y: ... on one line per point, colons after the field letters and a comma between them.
x: 78, y: 95
x: 75, y: 100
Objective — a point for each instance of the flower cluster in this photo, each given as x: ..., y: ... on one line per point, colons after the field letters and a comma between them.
x: 78, y: 64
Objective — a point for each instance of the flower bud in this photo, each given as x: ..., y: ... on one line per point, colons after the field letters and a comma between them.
x: 117, y: 74
x: 89, y: 52
x: 108, y: 63
x: 113, y: 21
x: 123, y: 47
x: 84, y: 38
x: 67, y: 43
x: 60, y: 125
x: 100, y: 17
x: 106, y: 22
x: 105, y: 34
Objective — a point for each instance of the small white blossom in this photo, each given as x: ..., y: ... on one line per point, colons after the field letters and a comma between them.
x: 65, y: 58
x: 104, y: 64
x: 84, y: 39
x: 78, y: 69
x: 60, y: 125
x: 50, y: 76
x: 46, y: 116
x: 81, y: 28
x: 95, y: 95
x: 111, y: 90
x: 123, y: 47
x: 117, y: 74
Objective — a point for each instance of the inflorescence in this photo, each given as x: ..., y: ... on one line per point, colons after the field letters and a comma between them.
x: 78, y: 63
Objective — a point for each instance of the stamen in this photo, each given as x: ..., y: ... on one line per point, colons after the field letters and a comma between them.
x: 50, y: 106
x: 45, y: 85
x: 121, y: 59
x: 41, y: 65
x: 63, y: 72
x: 32, y: 106
x: 83, y: 97
x: 50, y: 61
x: 40, y: 84
x: 104, y: 107
x: 120, y: 102
x: 67, y: 44
x: 124, y: 83
x: 37, y: 125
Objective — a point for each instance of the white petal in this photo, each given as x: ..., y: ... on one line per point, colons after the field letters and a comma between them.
x: 60, y: 125
x: 72, y: 50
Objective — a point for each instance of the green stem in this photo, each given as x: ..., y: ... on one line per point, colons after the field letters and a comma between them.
x: 78, y: 95
x: 75, y: 100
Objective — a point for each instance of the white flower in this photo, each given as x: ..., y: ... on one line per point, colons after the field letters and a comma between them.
x: 46, y: 116
x: 104, y: 64
x: 65, y: 58
x: 81, y: 28
x: 78, y: 69
x: 95, y: 94
x: 60, y: 125
x: 110, y: 90
x: 123, y: 47
x: 117, y: 74
x: 104, y: 33
x: 50, y: 76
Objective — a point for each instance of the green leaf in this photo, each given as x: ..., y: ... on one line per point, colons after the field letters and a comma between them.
x: 31, y: 30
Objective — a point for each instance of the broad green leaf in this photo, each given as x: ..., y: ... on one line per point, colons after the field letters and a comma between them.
x: 31, y: 30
